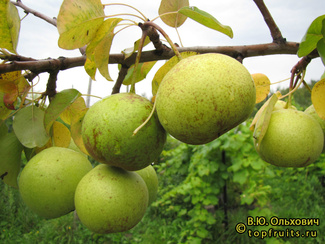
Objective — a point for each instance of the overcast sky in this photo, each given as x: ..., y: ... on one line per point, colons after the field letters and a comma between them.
x: 38, y: 39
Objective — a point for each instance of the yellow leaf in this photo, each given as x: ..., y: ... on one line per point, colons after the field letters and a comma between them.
x: 99, y: 48
x: 61, y: 135
x: 78, y: 22
x: 262, y: 119
x: 262, y: 84
x: 9, y: 81
x: 9, y: 26
x: 76, y: 124
x: 73, y: 116
x: 90, y: 67
x: 167, y: 6
x: 78, y: 105
x: 163, y: 70
x: 318, y: 98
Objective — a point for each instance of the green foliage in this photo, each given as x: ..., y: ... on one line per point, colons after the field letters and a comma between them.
x: 192, y: 198
x: 314, y: 38
x: 206, y: 19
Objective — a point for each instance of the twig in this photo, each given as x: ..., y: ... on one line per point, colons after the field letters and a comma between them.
x: 274, y: 29
x: 297, y: 69
x: 28, y: 10
x: 51, y: 85
x: 154, y: 38
x: 123, y: 72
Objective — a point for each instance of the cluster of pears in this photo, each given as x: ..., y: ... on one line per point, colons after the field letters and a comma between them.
x: 113, y: 196
x: 108, y: 199
x: 199, y: 99
x: 293, y: 138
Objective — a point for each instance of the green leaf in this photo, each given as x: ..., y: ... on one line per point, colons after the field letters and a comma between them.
x: 9, y: 26
x: 78, y: 22
x: 202, y: 233
x: 240, y: 176
x: 175, y: 19
x: 29, y: 128
x: 312, y: 36
x: 163, y: 70
x: 129, y: 51
x: 141, y: 73
x: 99, y: 48
x: 206, y: 19
x: 321, y: 49
x: 61, y: 101
x: 10, y: 151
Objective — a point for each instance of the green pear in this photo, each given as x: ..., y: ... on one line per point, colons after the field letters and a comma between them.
x: 204, y: 96
x: 48, y: 181
x: 292, y: 139
x: 110, y: 199
x: 311, y: 111
x: 107, y: 132
x: 280, y: 104
x: 149, y: 176
x: 10, y: 151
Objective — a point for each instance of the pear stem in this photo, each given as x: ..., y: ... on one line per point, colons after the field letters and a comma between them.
x: 146, y: 121
x: 137, y: 60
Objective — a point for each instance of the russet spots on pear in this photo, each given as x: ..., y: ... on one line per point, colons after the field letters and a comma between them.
x: 107, y: 132
x: 204, y: 96
x: 109, y: 199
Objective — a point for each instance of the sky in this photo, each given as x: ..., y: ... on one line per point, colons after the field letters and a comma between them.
x: 38, y: 39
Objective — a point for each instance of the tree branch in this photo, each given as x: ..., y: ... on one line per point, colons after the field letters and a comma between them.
x: 46, y: 65
x: 274, y: 29
x: 28, y: 10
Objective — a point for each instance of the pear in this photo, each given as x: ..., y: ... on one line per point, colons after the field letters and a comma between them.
x: 109, y: 199
x: 48, y: 181
x: 311, y: 111
x: 280, y: 104
x: 292, y: 139
x: 107, y: 132
x: 204, y: 96
x: 149, y: 176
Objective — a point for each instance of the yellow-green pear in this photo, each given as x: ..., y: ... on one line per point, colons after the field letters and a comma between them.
x: 280, y: 104
x: 204, y: 96
x: 48, y: 182
x: 149, y: 176
x: 292, y: 139
x: 107, y: 132
x: 311, y: 111
x: 110, y: 199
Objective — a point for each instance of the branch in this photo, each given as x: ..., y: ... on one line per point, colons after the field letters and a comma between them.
x: 28, y: 10
x: 46, y: 65
x: 123, y: 72
x: 274, y: 29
